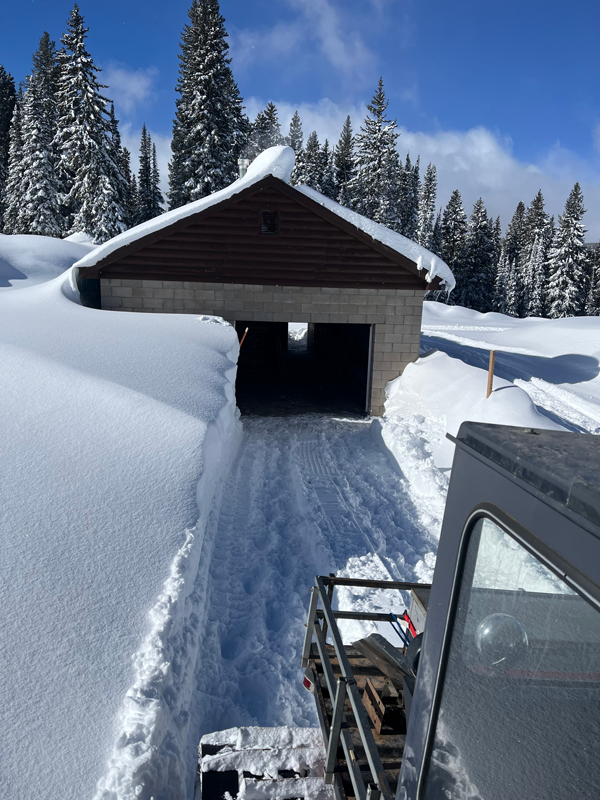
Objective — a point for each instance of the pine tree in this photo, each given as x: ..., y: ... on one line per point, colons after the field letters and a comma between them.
x: 426, y: 213
x: 210, y: 128
x: 328, y: 187
x: 501, y: 285
x: 295, y: 138
x: 157, y: 196
x: 131, y: 198
x: 45, y: 67
x: 536, y: 232
x: 408, y: 202
x: 12, y: 192
x: 144, y: 182
x: 88, y: 167
x: 344, y: 162
x: 475, y: 287
x: 38, y: 210
x: 308, y: 169
x: 375, y: 185
x: 496, y: 229
x: 513, y: 245
x: 8, y: 99
x: 273, y: 128
x: 454, y: 237
x: 592, y: 301
x: 569, y: 260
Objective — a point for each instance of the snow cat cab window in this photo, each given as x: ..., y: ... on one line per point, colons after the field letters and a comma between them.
x: 519, y: 715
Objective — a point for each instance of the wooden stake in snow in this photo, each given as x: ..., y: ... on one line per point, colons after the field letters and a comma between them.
x: 243, y: 337
x: 491, y: 373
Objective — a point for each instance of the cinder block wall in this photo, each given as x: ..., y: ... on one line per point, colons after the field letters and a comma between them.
x: 394, y: 313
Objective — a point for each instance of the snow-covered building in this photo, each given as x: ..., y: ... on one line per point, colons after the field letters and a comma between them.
x: 265, y: 253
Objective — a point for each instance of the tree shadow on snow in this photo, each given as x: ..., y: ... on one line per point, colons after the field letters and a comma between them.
x: 9, y: 273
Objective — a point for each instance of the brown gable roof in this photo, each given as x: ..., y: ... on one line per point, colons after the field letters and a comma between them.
x: 230, y: 242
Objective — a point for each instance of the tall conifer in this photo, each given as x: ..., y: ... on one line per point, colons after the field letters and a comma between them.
x: 454, y: 237
x: 8, y: 99
x: 568, y: 261
x: 375, y: 185
x: 345, y: 165
x: 210, y: 128
x: 295, y: 138
x: 475, y: 285
x: 426, y: 212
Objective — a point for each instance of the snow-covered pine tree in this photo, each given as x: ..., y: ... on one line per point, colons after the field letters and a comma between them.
x: 513, y: 246
x: 273, y: 128
x: 475, y: 285
x: 131, y: 190
x: 375, y: 186
x: 121, y: 167
x: 426, y: 212
x: 501, y: 283
x: 144, y: 182
x: 496, y: 229
x: 210, y: 128
x: 568, y: 261
x: 45, y: 66
x: 88, y: 167
x: 592, y: 301
x: 436, y: 237
x: 454, y: 238
x: 345, y: 169
x: 328, y: 187
x: 8, y: 98
x: 537, y: 232
x: 12, y: 191
x: 408, y: 201
x: 308, y: 169
x: 38, y: 211
x: 295, y: 137
x: 157, y: 196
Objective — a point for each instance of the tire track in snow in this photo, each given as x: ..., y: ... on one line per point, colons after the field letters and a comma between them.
x: 307, y: 495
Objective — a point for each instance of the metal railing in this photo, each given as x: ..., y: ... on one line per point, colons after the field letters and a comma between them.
x: 321, y: 622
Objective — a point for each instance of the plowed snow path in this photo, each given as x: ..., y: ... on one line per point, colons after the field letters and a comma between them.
x: 307, y: 495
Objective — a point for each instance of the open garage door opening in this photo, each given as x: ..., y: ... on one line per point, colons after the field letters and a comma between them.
x: 294, y: 369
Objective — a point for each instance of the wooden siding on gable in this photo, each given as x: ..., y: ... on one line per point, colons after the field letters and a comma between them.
x: 301, y: 246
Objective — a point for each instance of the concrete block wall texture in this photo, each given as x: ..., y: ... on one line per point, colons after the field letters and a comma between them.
x: 394, y: 313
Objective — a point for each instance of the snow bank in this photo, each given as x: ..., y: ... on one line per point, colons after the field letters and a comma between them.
x: 117, y: 431
x: 27, y: 260
x: 431, y: 398
x: 424, y: 259
x: 530, y: 336
x: 276, y: 161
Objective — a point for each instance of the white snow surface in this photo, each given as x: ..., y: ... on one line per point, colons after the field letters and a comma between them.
x: 117, y: 429
x: 276, y: 161
x: 557, y: 362
x: 279, y: 162
x: 424, y: 259
x: 27, y: 260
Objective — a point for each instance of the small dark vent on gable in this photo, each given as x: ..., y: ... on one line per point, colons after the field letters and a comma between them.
x: 269, y: 222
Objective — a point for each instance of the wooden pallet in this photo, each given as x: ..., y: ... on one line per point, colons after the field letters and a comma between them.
x: 384, y: 704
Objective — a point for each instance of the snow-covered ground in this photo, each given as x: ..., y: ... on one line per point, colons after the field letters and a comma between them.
x: 555, y: 361
x: 157, y: 559
x: 27, y: 260
x: 116, y: 428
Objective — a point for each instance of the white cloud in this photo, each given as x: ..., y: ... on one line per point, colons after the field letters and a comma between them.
x: 318, y: 23
x: 128, y: 87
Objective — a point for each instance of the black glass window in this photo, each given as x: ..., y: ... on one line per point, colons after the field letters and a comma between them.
x: 519, y: 717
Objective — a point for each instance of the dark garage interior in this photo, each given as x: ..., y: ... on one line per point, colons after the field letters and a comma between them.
x: 329, y: 375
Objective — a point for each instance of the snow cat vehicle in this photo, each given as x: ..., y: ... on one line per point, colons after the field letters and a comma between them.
x: 491, y: 690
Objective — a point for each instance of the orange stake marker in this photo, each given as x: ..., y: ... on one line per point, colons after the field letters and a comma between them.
x: 243, y: 337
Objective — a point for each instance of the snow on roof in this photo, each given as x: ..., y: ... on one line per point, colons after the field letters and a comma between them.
x: 279, y: 162
x: 276, y: 161
x: 424, y: 259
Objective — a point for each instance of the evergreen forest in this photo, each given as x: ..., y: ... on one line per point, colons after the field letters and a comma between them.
x: 64, y: 171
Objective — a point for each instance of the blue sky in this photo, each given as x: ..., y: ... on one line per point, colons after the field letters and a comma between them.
x: 503, y: 97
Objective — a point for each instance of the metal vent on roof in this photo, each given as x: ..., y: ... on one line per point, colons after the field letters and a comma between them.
x: 269, y: 222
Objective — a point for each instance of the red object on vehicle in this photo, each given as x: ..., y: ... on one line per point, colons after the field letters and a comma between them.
x: 411, y: 627
x: 309, y: 680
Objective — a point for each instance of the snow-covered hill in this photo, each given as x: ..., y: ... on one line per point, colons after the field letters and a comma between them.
x: 27, y: 260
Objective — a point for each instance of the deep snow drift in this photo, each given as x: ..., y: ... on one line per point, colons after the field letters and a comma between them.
x: 116, y: 430
x: 27, y: 260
